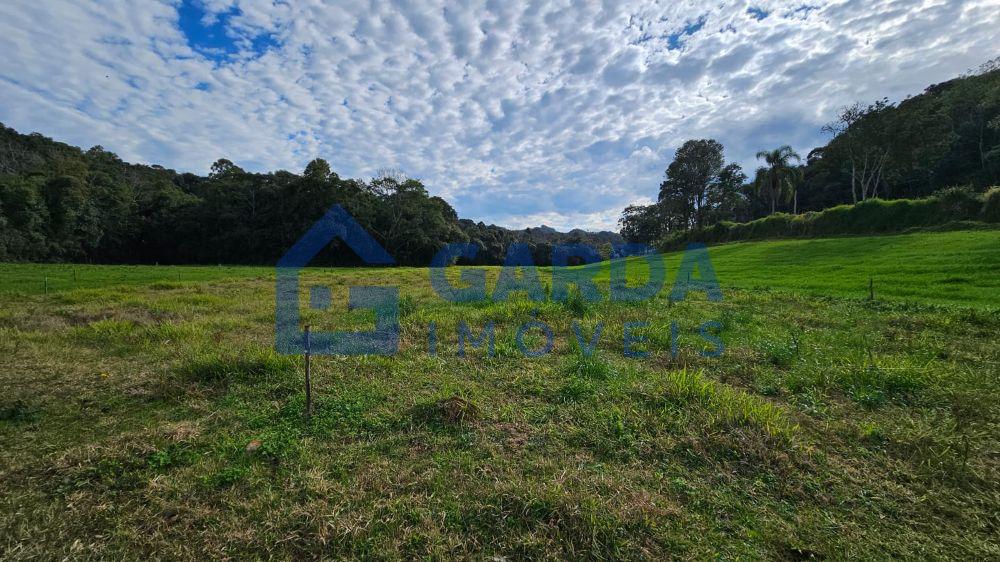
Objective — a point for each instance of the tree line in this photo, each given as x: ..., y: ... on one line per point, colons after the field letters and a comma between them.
x: 947, y: 136
x: 59, y: 203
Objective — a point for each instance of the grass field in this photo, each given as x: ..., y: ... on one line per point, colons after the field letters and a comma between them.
x: 144, y: 414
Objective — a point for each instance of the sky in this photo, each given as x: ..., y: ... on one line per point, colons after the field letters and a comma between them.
x: 518, y: 113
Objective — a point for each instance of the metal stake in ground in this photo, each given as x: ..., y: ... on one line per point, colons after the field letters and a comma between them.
x: 309, y: 403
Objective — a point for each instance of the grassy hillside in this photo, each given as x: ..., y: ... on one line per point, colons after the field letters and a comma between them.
x: 961, y: 267
x: 144, y: 413
x: 948, y: 267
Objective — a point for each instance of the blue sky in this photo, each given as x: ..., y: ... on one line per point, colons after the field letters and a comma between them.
x: 518, y: 113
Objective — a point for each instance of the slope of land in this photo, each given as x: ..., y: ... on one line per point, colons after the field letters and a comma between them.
x: 144, y: 413
x: 960, y: 267
x: 948, y: 267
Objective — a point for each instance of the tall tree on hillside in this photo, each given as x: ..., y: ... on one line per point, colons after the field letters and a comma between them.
x: 690, y: 177
x: 779, y: 177
x: 642, y: 223
x: 726, y: 199
x: 863, y: 135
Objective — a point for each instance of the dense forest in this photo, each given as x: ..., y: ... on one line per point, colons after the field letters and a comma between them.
x: 946, y: 137
x: 59, y: 203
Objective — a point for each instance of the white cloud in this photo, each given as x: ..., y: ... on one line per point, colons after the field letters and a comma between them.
x: 559, y: 112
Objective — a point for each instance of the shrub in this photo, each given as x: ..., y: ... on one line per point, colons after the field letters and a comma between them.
x: 875, y: 216
x: 959, y: 203
x: 872, y: 216
x: 17, y: 412
x: 991, y: 205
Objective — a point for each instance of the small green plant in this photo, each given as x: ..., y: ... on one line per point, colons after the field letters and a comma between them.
x: 18, y: 412
x: 179, y: 454
x: 870, y: 432
x: 725, y: 404
x: 593, y: 367
x: 159, y: 460
x: 575, y: 303
x: 731, y: 319
x: 781, y: 353
x: 575, y: 389
x: 767, y: 383
x: 226, y: 477
x: 407, y: 306
x: 615, y: 423
x: 108, y: 332
x: 614, y: 432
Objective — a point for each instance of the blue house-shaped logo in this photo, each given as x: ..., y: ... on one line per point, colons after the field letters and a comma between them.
x: 290, y: 338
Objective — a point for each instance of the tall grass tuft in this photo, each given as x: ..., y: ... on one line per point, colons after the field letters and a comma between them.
x: 584, y: 377
x: 873, y: 386
x: 727, y: 405
x: 254, y: 366
x: 593, y: 368
x: 575, y: 304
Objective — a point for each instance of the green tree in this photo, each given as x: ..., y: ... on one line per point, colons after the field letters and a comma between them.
x: 726, y: 199
x: 318, y: 169
x: 641, y: 223
x: 23, y: 218
x: 689, y: 178
x: 863, y: 138
x: 779, y: 178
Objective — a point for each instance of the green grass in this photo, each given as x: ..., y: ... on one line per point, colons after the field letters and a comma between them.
x: 960, y: 268
x: 17, y: 278
x: 145, y: 415
x: 947, y: 268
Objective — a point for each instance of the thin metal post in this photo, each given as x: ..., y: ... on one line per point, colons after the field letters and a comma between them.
x: 309, y: 405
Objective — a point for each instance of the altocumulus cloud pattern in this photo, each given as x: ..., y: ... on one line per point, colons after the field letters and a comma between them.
x: 519, y: 113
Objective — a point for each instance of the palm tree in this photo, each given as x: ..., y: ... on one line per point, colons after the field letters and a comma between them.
x: 779, y: 177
